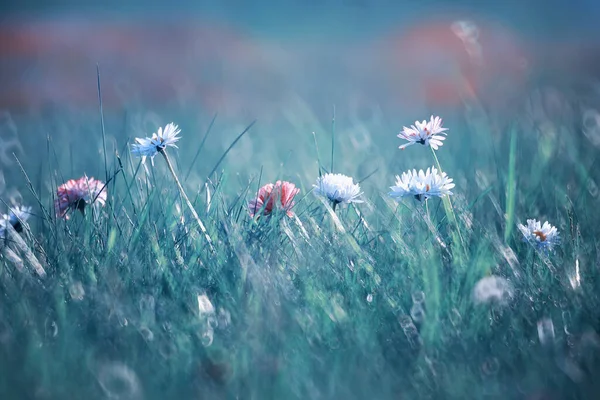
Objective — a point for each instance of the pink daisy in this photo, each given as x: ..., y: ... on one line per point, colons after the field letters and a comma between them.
x: 274, y: 196
x: 76, y: 194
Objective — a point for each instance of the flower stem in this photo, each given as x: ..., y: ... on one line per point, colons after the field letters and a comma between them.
x: 448, y: 204
x: 188, y: 202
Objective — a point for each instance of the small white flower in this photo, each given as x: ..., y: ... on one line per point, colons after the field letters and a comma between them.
x: 149, y: 147
x: 16, y: 216
x: 422, y: 185
x: 542, y: 237
x: 426, y: 133
x: 338, y: 188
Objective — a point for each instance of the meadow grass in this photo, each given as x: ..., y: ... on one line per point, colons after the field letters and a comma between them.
x: 372, y: 300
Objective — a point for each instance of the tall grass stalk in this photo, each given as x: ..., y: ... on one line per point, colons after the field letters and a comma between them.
x: 449, y: 210
x: 511, y: 185
x: 188, y: 202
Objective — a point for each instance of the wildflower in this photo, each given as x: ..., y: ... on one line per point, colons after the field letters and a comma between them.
x: 14, y: 218
x: 422, y: 185
x: 76, y: 194
x: 338, y: 188
x: 274, y: 196
x: 149, y: 147
x: 542, y: 237
x: 426, y: 133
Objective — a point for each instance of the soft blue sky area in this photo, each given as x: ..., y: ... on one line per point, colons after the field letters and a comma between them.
x: 556, y: 18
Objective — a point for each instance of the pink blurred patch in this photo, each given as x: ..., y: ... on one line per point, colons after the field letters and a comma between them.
x: 153, y: 62
x: 428, y: 66
x: 444, y: 62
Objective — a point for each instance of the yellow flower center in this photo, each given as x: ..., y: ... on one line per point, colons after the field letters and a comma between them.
x: 540, y: 234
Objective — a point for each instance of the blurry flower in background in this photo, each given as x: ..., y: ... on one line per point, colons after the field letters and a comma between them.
x: 492, y: 289
x: 272, y: 197
x: 422, y: 185
x: 76, y: 194
x: 425, y: 133
x: 149, y: 147
x: 16, y: 216
x: 338, y: 189
x: 542, y: 237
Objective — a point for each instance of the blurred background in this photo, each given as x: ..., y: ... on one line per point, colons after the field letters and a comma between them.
x: 244, y: 58
x: 382, y: 63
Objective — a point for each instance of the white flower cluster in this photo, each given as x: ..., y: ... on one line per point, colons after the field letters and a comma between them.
x: 422, y: 185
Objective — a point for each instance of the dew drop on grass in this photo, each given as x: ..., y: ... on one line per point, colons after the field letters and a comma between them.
x: 167, y: 349
x: 146, y: 333
x: 545, y: 329
x: 76, y: 291
x: 418, y: 297
x: 122, y: 321
x: 207, y: 337
x: 566, y: 317
x: 490, y: 366
x: 411, y: 330
x: 592, y: 188
x: 118, y: 381
x: 417, y: 313
x: 405, y: 321
x: 51, y: 328
x: 591, y: 126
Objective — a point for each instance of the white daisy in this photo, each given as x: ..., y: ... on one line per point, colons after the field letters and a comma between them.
x: 542, y: 237
x: 422, y: 185
x: 338, y: 188
x: 149, y: 147
x: 15, y: 217
x: 426, y: 133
